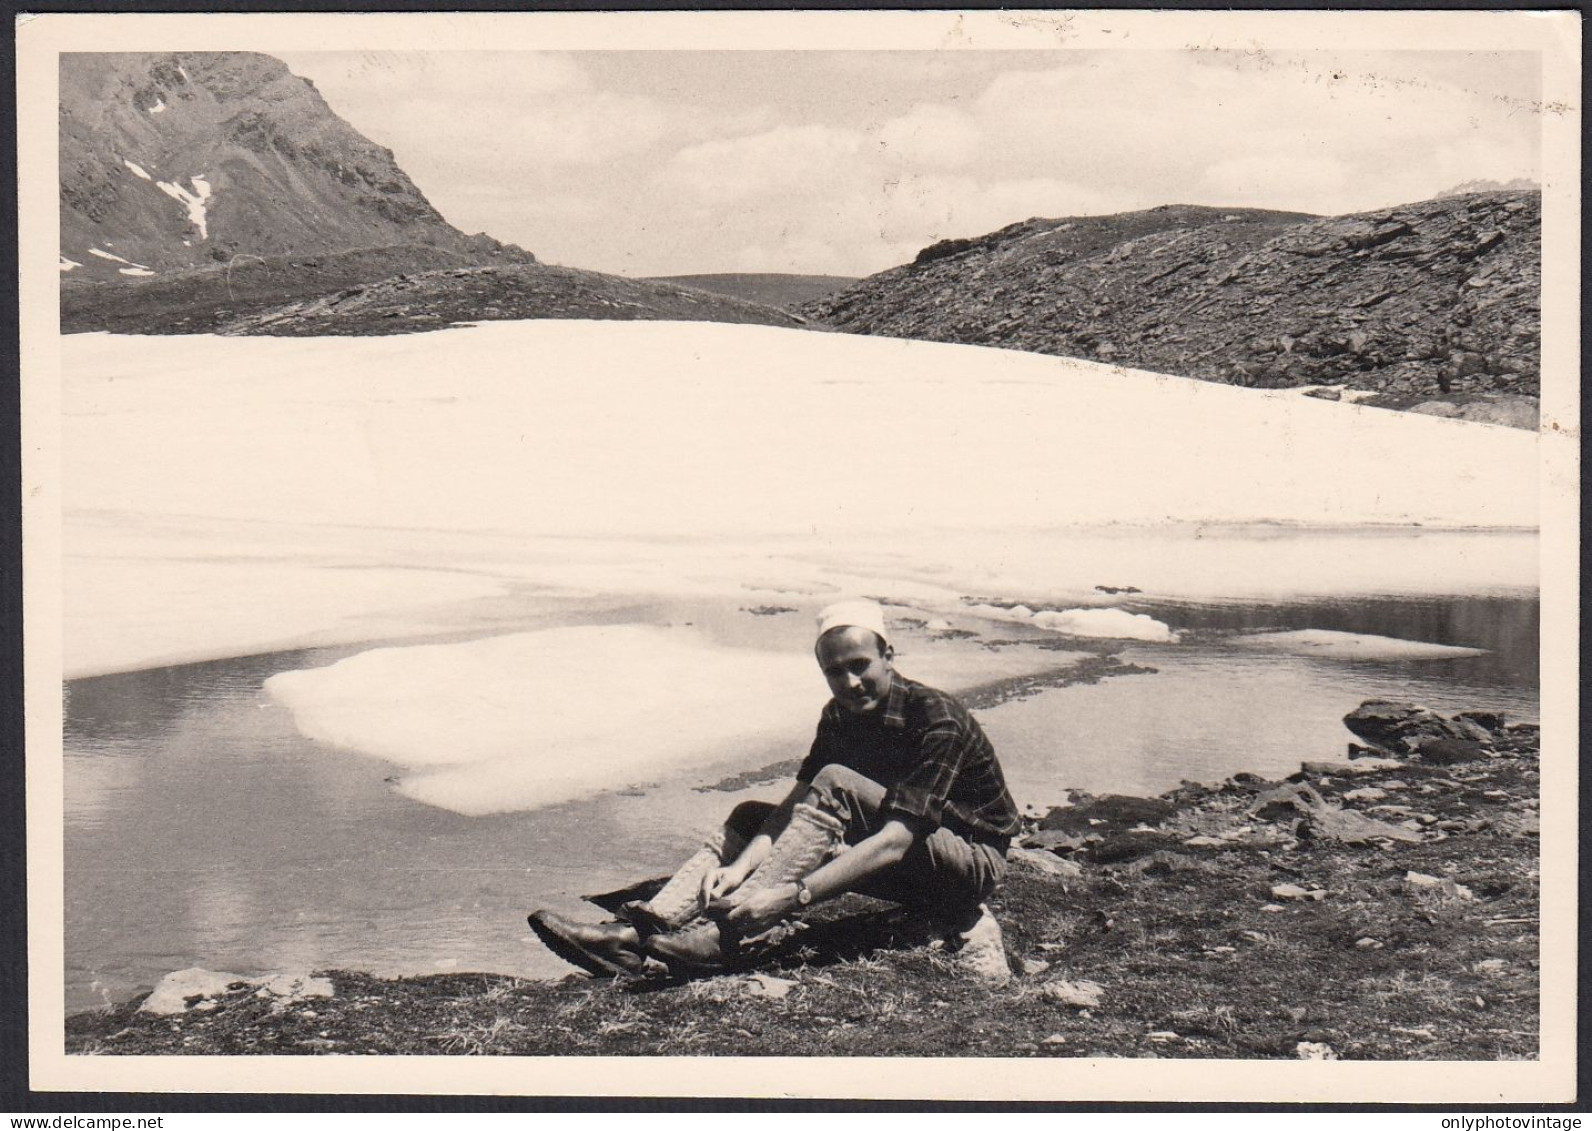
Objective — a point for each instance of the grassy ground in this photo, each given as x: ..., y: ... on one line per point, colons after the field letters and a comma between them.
x: 1257, y: 940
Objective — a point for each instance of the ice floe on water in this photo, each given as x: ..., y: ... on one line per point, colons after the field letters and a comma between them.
x: 1353, y: 646
x: 528, y: 719
x: 1117, y: 624
x: 1097, y: 623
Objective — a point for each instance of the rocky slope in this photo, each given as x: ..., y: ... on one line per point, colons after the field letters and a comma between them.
x: 1433, y: 301
x: 173, y: 161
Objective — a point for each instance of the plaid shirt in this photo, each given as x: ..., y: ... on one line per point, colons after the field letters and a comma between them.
x: 929, y: 754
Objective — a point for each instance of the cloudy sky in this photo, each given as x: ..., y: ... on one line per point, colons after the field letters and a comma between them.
x: 836, y: 162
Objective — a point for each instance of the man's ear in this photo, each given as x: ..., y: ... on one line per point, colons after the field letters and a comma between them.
x: 889, y: 652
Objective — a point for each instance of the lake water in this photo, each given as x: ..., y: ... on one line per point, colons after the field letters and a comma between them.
x: 201, y: 828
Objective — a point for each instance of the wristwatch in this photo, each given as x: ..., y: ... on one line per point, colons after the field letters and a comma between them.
x: 804, y: 894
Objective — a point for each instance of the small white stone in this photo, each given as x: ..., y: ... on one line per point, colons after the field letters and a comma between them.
x: 1079, y: 995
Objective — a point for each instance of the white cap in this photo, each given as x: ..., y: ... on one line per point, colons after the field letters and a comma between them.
x: 854, y: 614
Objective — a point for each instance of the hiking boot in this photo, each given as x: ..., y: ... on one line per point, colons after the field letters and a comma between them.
x: 692, y: 951
x: 810, y: 838
x: 607, y: 950
x: 981, y: 951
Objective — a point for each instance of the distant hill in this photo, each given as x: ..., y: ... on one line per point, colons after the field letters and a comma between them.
x: 784, y: 291
x: 1438, y: 298
x: 173, y: 161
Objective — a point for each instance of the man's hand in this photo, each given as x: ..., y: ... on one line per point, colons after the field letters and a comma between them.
x: 760, y: 905
x: 720, y: 881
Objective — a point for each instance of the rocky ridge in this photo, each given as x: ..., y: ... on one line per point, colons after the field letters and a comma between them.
x: 179, y: 160
x: 1437, y: 301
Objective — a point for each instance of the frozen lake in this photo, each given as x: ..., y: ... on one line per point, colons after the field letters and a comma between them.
x: 374, y: 644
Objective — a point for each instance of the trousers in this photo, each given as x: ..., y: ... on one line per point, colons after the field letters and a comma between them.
x: 944, y: 874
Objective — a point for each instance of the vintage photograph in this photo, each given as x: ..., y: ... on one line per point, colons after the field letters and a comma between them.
x: 877, y: 538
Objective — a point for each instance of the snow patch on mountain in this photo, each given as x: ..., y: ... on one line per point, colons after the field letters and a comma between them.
x: 138, y: 170
x: 194, y: 201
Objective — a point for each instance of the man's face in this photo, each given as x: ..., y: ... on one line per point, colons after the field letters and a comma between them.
x: 859, y: 677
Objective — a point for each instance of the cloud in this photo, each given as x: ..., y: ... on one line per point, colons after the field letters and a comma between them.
x: 1265, y: 177
x: 1266, y: 125
x: 932, y: 137
x: 839, y: 162
x: 779, y: 162
x: 371, y: 79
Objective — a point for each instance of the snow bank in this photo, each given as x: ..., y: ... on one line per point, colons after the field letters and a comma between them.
x: 1353, y: 646
x: 137, y: 170
x: 530, y: 719
x: 634, y: 428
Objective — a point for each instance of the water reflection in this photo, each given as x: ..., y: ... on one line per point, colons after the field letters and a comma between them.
x: 144, y: 704
x: 1507, y: 627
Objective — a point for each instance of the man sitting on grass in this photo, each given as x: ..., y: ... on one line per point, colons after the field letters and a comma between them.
x: 901, y: 798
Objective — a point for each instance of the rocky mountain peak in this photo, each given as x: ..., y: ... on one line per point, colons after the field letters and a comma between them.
x: 179, y: 160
